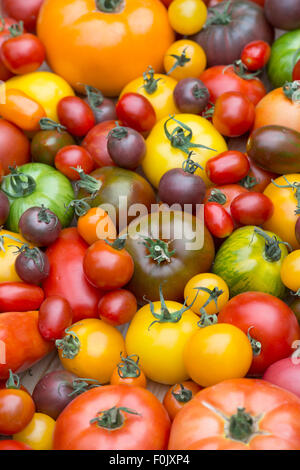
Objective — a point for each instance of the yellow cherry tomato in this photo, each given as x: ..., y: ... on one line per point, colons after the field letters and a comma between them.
x: 159, y: 343
x: 158, y: 89
x: 184, y: 59
x: 9, y: 244
x: 187, y: 16
x: 38, y: 434
x: 282, y: 193
x: 91, y: 348
x: 216, y: 353
x: 163, y: 153
x: 197, y: 298
x: 44, y: 87
x: 290, y: 271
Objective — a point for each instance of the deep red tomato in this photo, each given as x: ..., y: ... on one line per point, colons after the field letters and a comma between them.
x: 217, y: 220
x: 5, y: 74
x: 117, y: 307
x: 136, y: 111
x: 23, y: 53
x: 16, y: 410
x: 11, y: 444
x: 270, y: 323
x: 234, y: 114
x: 113, y: 417
x: 257, y: 179
x: 23, y: 11
x: 251, y: 209
x: 228, y: 167
x: 20, y: 297
x: 255, y: 55
x: 54, y: 317
x: 179, y: 395
x: 76, y: 115
x: 12, y: 155
x: 296, y: 71
x: 73, y: 156
x: 224, y: 195
x: 95, y: 142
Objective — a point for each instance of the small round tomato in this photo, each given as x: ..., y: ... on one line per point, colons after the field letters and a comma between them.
x: 76, y: 115
x: 257, y: 179
x: 224, y: 195
x: 207, y: 291
x: 39, y: 226
x: 218, y: 221
x: 184, y: 59
x: 187, y: 16
x: 95, y: 142
x: 54, y: 317
x: 128, y: 372
x: 117, y: 307
x: 38, y: 434
x: 222, y: 351
x: 73, y: 156
x: 16, y: 410
x: 251, y: 209
x: 290, y: 271
x: 11, y: 444
x: 255, y: 55
x: 178, y: 395
x: 228, y: 167
x: 95, y: 225
x: 136, y: 111
x: 234, y: 114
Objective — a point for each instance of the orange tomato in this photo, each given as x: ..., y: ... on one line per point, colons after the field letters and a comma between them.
x: 96, y: 225
x: 22, y: 110
x: 128, y: 372
x: 184, y: 59
x: 179, y: 395
x: 101, y: 43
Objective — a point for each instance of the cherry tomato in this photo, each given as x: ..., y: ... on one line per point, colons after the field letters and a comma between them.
x: 23, y: 11
x: 76, y: 115
x: 5, y: 73
x: 32, y: 265
x: 95, y: 142
x: 16, y: 410
x: 206, y: 289
x: 11, y: 444
x: 257, y: 179
x: 217, y: 220
x: 296, y: 71
x: 290, y: 271
x: 227, y: 167
x: 234, y: 114
x: 38, y: 434
x: 134, y: 110
x: 251, y: 209
x: 255, y: 55
x: 39, y: 226
x: 178, y: 395
x: 128, y: 372
x: 224, y: 195
x: 187, y: 16
x: 73, y: 156
x: 54, y: 317
x: 184, y: 59
x: 117, y: 307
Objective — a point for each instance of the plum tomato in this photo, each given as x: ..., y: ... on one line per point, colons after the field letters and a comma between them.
x: 73, y: 156
x: 251, y: 208
x: 76, y: 115
x: 234, y: 114
x: 255, y: 55
x: 228, y: 167
x: 54, y: 317
x: 117, y: 307
x: 134, y: 110
x: 39, y: 226
x: 218, y: 220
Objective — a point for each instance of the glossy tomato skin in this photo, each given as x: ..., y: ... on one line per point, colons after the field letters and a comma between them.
x: 228, y: 192
x: 251, y: 209
x: 128, y: 149
x: 30, y: 269
x: 12, y: 155
x: 54, y: 317
x: 191, y: 96
x: 5, y: 73
x: 257, y: 178
x: 46, y: 144
x: 12, y: 444
x: 16, y: 410
x: 255, y: 55
x: 23, y: 54
x: 38, y: 434
x: 39, y: 226
x: 285, y: 374
x: 76, y: 115
x: 272, y: 323
x: 95, y: 142
x: 96, y: 224
x: 217, y: 220
x: 228, y: 167
x: 281, y: 16
x: 19, y: 296
x: 23, y: 11
x: 174, y: 399
x: 234, y: 114
x: 117, y: 307
x: 134, y: 110
x: 73, y: 156
x: 181, y: 187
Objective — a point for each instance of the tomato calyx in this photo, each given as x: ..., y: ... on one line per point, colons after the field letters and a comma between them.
x: 248, y: 182
x: 150, y: 83
x: 80, y: 386
x: 158, y: 249
x: 129, y: 366
x: 189, y: 166
x: 10, y: 237
x: 184, y: 395
x: 292, y: 90
x: 87, y: 182
x: 113, y: 418
x: 69, y: 344
x: 45, y: 215
x: 214, y: 294
x: 47, y: 124
x: 21, y: 185
x: 180, y: 61
x: 218, y: 17
x: 94, y: 96
x: 34, y: 254
x: 241, y: 426
x: 119, y: 132
x: 217, y: 196
x: 241, y: 70
x: 295, y: 186
x: 272, y: 251
x: 109, y: 6
x: 13, y: 381
x: 255, y: 345
x: 165, y: 316
x: 80, y: 206
x: 119, y: 243
x: 16, y: 29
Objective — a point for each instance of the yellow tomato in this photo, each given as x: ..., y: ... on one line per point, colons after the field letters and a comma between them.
x: 187, y: 16
x: 210, y: 281
x: 91, y: 348
x: 38, y: 434
x: 162, y: 155
x: 9, y: 244
x: 158, y: 89
x: 284, y: 217
x: 216, y: 353
x: 190, y: 59
x: 44, y: 87
x: 290, y: 271
x: 160, y: 344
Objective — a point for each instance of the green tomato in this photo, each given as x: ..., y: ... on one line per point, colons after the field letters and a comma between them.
x: 250, y: 260
x: 35, y: 184
x: 285, y: 54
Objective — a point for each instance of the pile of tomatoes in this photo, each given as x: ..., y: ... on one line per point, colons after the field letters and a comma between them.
x: 123, y: 124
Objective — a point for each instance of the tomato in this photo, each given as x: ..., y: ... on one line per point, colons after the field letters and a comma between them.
x: 285, y: 374
x: 207, y: 291
x: 184, y: 59
x: 255, y: 55
x: 283, y: 194
x: 290, y: 271
x: 19, y: 296
x: 251, y: 209
x: 136, y: 111
x: 21, y: 110
x: 11, y: 444
x: 163, y: 153
x: 38, y: 434
x: 76, y: 115
x: 178, y: 396
x: 16, y: 410
x: 191, y: 96
x: 46, y: 143
x: 96, y: 224
x: 91, y: 348
x: 228, y: 167
x: 39, y: 226
x: 73, y: 156
x: 54, y: 317
x: 23, y: 11
x: 269, y: 323
x: 187, y: 16
x: 113, y: 417
x: 44, y: 87
x: 257, y: 179
x: 126, y: 146
x: 224, y: 347
x: 284, y: 56
x: 95, y: 142
x: 73, y: 43
x: 224, y: 195
x: 5, y: 73
x: 8, y: 243
x: 32, y: 265
x: 218, y: 221
x: 117, y: 307
x: 234, y: 114
x: 128, y: 372
x: 225, y: 417
x: 12, y: 155
x: 104, y: 109
x: 108, y: 265
x: 296, y: 71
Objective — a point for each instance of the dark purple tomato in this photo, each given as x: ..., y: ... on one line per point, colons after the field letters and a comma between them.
x: 4, y: 207
x: 126, y: 147
x: 297, y: 229
x: 283, y: 14
x: 104, y: 109
x: 54, y: 317
x: 191, y: 96
x: 46, y: 143
x: 40, y: 226
x: 32, y: 265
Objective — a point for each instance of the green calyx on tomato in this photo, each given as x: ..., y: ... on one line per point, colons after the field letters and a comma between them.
x: 95, y: 97
x: 295, y: 186
x: 69, y: 344
x: 242, y: 71
x: 13, y: 381
x: 291, y: 90
x: 45, y: 216
x: 129, y: 366
x: 241, y: 426
x: 165, y: 316
x: 2, y: 239
x: 87, y: 182
x: 80, y: 386
x: 272, y: 251
x: 189, y: 166
x: 248, y: 182
x: 218, y: 17
x: 80, y: 206
x: 113, y: 418
x: 158, y: 250
x: 47, y: 124
x: 150, y: 83
x: 108, y: 6
x: 214, y: 294
x: 180, y: 61
x: 255, y: 345
x: 34, y: 254
x: 184, y: 395
x: 119, y: 243
x: 21, y: 184
x: 16, y: 29
x: 218, y: 196
x: 118, y: 132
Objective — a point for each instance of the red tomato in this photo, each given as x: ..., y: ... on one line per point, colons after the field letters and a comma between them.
x: 23, y: 53
x: 117, y: 307
x: 73, y: 156
x: 227, y: 167
x: 113, y: 417
x: 136, y: 111
x: 251, y: 209
x: 178, y: 396
x: 224, y: 195
x: 257, y: 179
x: 20, y: 297
x: 16, y: 410
x: 26, y: 11
x: 12, y: 155
x: 76, y: 115
x: 5, y: 74
x: 11, y: 444
x: 255, y: 55
x: 270, y: 323
x: 217, y: 220
x: 167, y: 2
x: 234, y: 114
x: 296, y: 71
x: 95, y: 142
x: 55, y: 316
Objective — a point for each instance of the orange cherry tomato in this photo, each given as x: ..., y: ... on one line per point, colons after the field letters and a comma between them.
x: 21, y: 110
x: 128, y: 372
x: 95, y: 225
x: 178, y: 395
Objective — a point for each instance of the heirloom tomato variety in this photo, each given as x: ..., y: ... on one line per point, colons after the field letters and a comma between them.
x: 21, y: 110
x: 12, y: 155
x: 128, y: 372
x: 187, y: 16
x: 255, y: 55
x: 207, y: 290
x: 184, y: 59
x: 23, y: 11
x: 96, y: 225
x: 38, y: 434
x: 20, y: 297
x: 290, y: 271
x: 178, y: 395
x: 16, y: 410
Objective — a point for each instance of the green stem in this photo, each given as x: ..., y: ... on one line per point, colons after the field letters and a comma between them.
x: 20, y: 185
x: 248, y: 182
x: 150, y: 83
x: 184, y: 395
x: 87, y: 182
x: 216, y: 195
x: 292, y: 90
x: 119, y: 132
x: 241, y: 426
x: 16, y: 29
x: 82, y: 385
x: 242, y: 71
x: 272, y: 251
x: 108, y: 6
x: 119, y: 243
x: 189, y: 166
x: 218, y: 17
x: 113, y: 418
x: 158, y: 250
x: 129, y: 366
x: 256, y: 345
x: 180, y: 61
x: 69, y: 344
x: 34, y: 254
x: 45, y: 215
x: 80, y: 206
x: 13, y: 381
x: 10, y: 237
x: 94, y: 96
x: 165, y: 316
x: 295, y: 186
x: 47, y: 124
